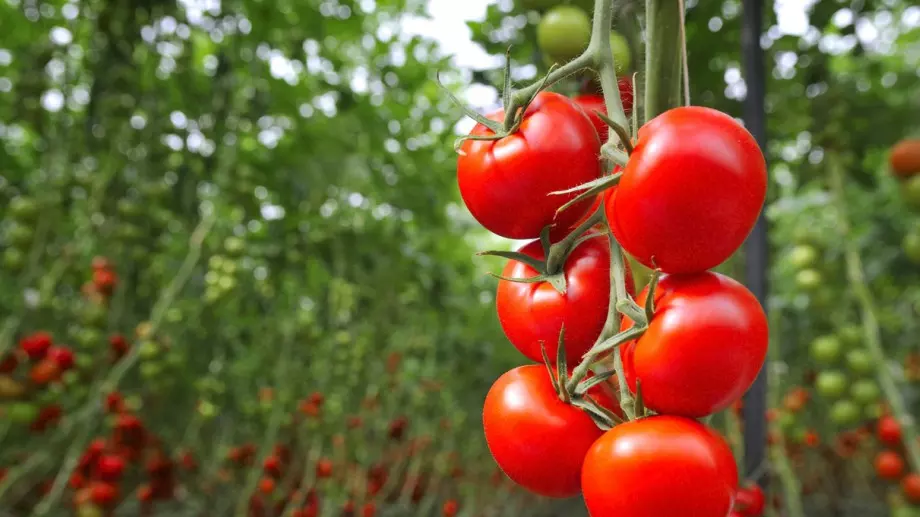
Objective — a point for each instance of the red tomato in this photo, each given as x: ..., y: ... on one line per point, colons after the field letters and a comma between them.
x: 750, y: 501
x: 531, y: 313
x: 538, y: 440
x: 889, y: 431
x: 910, y: 485
x: 691, y: 192
x: 506, y: 183
x: 703, y: 348
x: 889, y: 465
x: 658, y: 466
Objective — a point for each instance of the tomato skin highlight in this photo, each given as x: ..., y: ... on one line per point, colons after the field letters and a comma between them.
x: 703, y: 348
x: 531, y: 313
x: 506, y: 183
x: 658, y: 466
x: 691, y: 192
x: 537, y: 440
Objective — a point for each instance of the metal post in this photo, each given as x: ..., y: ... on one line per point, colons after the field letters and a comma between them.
x: 756, y: 247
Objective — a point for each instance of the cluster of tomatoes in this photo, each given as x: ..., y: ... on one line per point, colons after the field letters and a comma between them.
x: 904, y: 161
x: 889, y: 463
x: 690, y: 344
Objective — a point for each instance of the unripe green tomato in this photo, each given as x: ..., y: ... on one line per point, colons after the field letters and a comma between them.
x: 808, y: 279
x: 148, y: 350
x: 851, y: 335
x: 621, y: 55
x: 859, y: 361
x: 128, y: 208
x: 13, y: 259
x: 19, y: 236
x: 174, y: 359
x: 831, y: 384
x: 802, y: 256
x: 911, y: 247
x: 23, y: 208
x: 865, y: 391
x: 89, y: 510
x: 874, y: 411
x: 786, y: 422
x: 88, y: 337
x: 229, y: 267
x: 151, y: 370
x: 94, y: 314
x: 845, y: 413
x: 910, y: 191
x: 563, y: 33
x: 69, y: 378
x: 174, y: 315
x: 83, y: 362
x: 234, y: 246
x: 826, y: 349
x: 21, y: 412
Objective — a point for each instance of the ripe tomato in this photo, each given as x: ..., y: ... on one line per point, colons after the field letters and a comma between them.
x: 750, y: 501
x: 591, y: 102
x: 910, y: 485
x: 691, y: 192
x: 555, y: 149
x: 534, y: 313
x: 703, y: 348
x: 536, y: 439
x: 563, y: 33
x: 889, y: 431
x: 905, y: 158
x: 657, y: 466
x: 889, y: 465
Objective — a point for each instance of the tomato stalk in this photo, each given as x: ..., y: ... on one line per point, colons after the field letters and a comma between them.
x: 868, y: 310
x: 664, y: 31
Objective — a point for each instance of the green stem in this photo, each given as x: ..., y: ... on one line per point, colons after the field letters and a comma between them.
x: 558, y: 252
x: 868, y: 310
x: 792, y: 489
x: 662, y: 64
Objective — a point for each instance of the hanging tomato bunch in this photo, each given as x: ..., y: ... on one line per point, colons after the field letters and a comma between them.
x: 612, y: 412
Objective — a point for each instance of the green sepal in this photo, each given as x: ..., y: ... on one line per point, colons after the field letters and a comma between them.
x: 535, y: 263
x: 601, y: 185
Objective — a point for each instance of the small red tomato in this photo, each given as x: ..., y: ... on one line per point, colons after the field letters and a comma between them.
x: 119, y: 345
x: 910, y: 485
x: 534, y: 313
x: 110, y: 467
x: 8, y: 364
x: 703, y: 348
x: 324, y: 468
x: 103, y: 494
x: 369, y: 510
x: 44, y: 372
x: 272, y: 466
x: 538, y: 440
x: 450, y: 508
x: 398, y: 428
x: 36, y: 345
x: 889, y: 431
x: 507, y: 183
x: 750, y: 501
x: 61, y: 355
x: 889, y: 465
x: 105, y: 280
x: 691, y: 192
x: 266, y: 485
x: 661, y: 466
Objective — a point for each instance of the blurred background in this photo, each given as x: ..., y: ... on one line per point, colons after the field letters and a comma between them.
x: 238, y: 279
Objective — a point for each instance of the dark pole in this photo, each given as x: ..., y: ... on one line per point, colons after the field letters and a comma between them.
x: 756, y: 248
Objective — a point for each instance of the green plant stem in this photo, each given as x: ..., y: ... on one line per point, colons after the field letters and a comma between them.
x: 792, y: 489
x: 868, y: 310
x: 663, y: 50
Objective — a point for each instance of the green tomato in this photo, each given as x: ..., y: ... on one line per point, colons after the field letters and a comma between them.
x: 128, y: 207
x: 826, y: 349
x: 860, y: 361
x: 865, y: 391
x: 910, y: 191
x: 148, y: 350
x: 802, y: 256
x: 621, y: 55
x: 563, y: 33
x: 234, y: 246
x: 874, y: 411
x: 23, y: 208
x: 787, y: 422
x: 19, y: 236
x: 851, y: 335
x: 831, y: 384
x: 21, y: 412
x: 808, y: 279
x: 911, y: 247
x: 845, y: 413
x: 151, y: 370
x: 14, y: 259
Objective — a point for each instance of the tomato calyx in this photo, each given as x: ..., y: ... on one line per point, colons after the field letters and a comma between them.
x: 589, y: 189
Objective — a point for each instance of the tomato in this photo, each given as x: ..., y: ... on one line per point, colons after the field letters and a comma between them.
x: 808, y: 279
x: 691, y: 192
x: 564, y: 33
x: 910, y: 191
x: 826, y: 349
x: 622, y: 57
x: 910, y: 485
x: 845, y: 412
x: 703, y: 348
x: 750, y: 501
x: 860, y: 361
x: 555, y: 149
x: 865, y: 391
x: 889, y: 465
x: 904, y: 158
x: 889, y: 431
x: 531, y: 313
x: 657, y: 466
x: 592, y: 102
x: 911, y: 246
x: 802, y: 256
x: 831, y: 384
x: 536, y: 439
